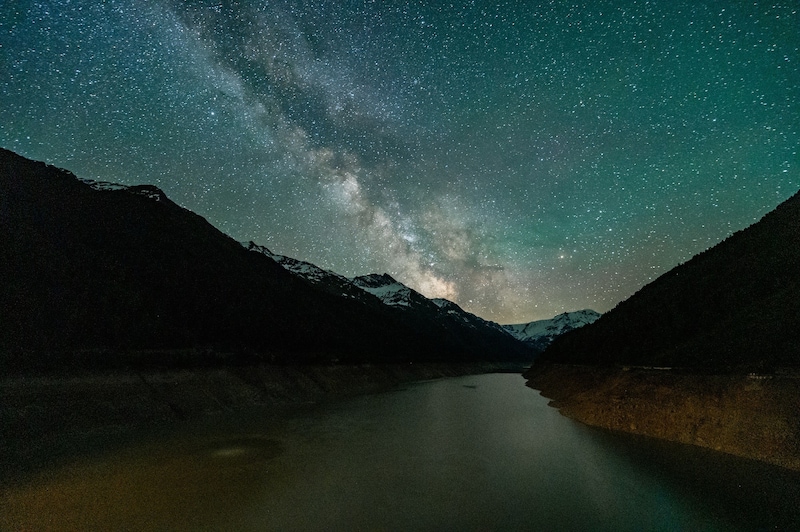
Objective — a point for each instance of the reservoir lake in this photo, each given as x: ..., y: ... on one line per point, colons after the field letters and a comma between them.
x: 480, y: 452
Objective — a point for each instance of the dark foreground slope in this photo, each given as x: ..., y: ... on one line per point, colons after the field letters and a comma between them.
x: 707, y: 354
x: 113, y: 277
x: 735, y: 306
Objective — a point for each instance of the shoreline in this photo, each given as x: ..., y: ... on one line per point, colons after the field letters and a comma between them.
x: 46, y: 418
x: 751, y: 416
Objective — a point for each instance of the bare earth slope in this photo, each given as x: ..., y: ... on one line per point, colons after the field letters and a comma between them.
x: 753, y: 416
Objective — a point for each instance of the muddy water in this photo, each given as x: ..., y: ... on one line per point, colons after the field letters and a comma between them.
x: 470, y: 453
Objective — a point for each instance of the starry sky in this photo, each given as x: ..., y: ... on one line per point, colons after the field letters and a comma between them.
x: 520, y: 158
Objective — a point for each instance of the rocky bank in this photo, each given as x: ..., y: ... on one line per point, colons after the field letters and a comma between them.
x: 752, y: 416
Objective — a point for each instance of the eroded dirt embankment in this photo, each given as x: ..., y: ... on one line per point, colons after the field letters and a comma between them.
x: 35, y: 408
x: 753, y: 416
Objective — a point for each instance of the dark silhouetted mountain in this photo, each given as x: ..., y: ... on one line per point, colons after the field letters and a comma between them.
x: 436, y: 316
x: 460, y: 324
x: 392, y: 293
x: 326, y: 280
x: 735, y: 306
x: 93, y: 268
x: 458, y: 314
x: 541, y: 333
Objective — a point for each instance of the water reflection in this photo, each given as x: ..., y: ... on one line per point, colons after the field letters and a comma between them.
x: 474, y: 453
x: 254, y: 447
x: 749, y: 495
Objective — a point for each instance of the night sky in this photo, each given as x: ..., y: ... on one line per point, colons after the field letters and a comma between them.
x: 519, y: 158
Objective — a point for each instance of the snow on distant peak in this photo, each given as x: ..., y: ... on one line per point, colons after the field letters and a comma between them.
x: 312, y: 272
x: 545, y: 331
x: 306, y: 270
x: 387, y: 289
x: 443, y: 303
x: 456, y: 312
x: 451, y: 308
x: 376, y: 280
x: 252, y: 246
x: 384, y: 287
x: 103, y: 185
x: 149, y: 191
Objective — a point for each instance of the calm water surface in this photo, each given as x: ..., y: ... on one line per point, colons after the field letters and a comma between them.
x: 471, y: 453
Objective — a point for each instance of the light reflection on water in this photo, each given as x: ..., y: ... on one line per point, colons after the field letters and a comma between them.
x: 472, y: 453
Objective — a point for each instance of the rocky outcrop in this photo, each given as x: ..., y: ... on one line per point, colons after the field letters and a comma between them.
x: 752, y: 416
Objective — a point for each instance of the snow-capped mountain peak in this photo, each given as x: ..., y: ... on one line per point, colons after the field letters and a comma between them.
x: 103, y: 185
x: 376, y: 280
x: 387, y: 289
x: 308, y: 271
x: 390, y: 292
x: 539, y: 334
x: 452, y: 309
x: 327, y: 280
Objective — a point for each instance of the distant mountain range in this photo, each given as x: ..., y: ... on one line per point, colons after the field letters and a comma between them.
x: 96, y: 273
x: 733, y: 307
x: 536, y: 334
x: 540, y: 334
x: 387, y: 290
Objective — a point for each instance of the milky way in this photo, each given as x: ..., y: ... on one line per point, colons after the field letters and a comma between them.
x: 520, y: 158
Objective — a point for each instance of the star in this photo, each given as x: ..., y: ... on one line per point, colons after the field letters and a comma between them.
x: 522, y: 159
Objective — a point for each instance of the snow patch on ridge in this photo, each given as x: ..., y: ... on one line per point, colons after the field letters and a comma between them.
x: 544, y: 331
x: 308, y: 271
x: 102, y: 185
x: 395, y: 294
x: 148, y: 191
x: 386, y: 288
